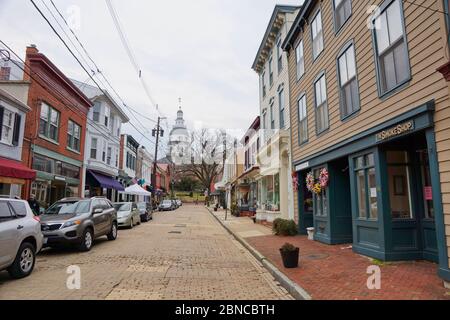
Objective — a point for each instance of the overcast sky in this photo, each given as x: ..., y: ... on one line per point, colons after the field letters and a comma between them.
x: 199, y: 50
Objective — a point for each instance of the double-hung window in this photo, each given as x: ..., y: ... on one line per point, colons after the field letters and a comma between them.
x: 342, y: 12
x: 317, y: 35
x: 272, y: 118
x: 302, y: 120
x: 300, y: 59
x: 94, y: 143
x: 7, y: 126
x: 279, y: 56
x: 73, y: 136
x: 282, y: 107
x: 109, y: 156
x: 270, y: 72
x: 348, y: 82
x: 49, y: 122
x: 107, y: 115
x: 96, y: 111
x: 391, y: 49
x: 263, y: 84
x: 320, y: 87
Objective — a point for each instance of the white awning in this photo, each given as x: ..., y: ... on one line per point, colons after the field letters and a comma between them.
x: 136, y: 190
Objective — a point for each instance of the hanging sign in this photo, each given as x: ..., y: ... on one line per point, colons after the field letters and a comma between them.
x: 395, y: 131
x: 428, y: 192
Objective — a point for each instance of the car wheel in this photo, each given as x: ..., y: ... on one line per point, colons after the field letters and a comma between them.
x: 113, y: 234
x: 87, y: 240
x: 23, y: 265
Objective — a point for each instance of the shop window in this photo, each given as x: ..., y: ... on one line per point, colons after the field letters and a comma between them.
x: 300, y: 59
x: 391, y: 47
x: 317, y: 35
x: 426, y: 181
x: 73, y: 136
x: 320, y: 87
x: 342, y: 12
x: 399, y: 177
x: 43, y: 164
x: 49, y: 122
x: 320, y: 200
x: 39, y: 191
x: 366, y: 187
x: 5, y: 189
x: 348, y: 82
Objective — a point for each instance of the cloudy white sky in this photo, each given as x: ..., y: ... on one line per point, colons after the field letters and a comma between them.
x: 199, y: 50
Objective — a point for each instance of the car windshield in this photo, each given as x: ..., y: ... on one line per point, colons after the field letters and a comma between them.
x: 122, y: 207
x: 142, y: 205
x: 167, y: 202
x: 61, y: 208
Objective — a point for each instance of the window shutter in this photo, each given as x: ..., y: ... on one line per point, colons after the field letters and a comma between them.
x: 17, y: 125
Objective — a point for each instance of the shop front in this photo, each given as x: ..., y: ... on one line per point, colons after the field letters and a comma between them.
x: 57, y: 177
x: 379, y: 190
x: 13, y: 175
x: 99, y: 184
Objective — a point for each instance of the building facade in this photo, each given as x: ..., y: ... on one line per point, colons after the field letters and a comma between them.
x: 13, y: 110
x: 247, y: 183
x: 128, y: 162
x: 55, y: 129
x: 144, y: 170
x: 102, y: 145
x: 370, y: 130
x: 275, y: 199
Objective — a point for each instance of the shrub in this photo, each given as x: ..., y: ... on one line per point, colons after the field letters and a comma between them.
x: 288, y: 248
x: 284, y: 228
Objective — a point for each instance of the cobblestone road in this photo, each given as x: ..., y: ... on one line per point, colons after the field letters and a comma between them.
x: 184, y: 254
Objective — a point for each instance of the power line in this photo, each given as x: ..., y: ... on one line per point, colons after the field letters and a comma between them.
x: 97, y: 67
x: 78, y: 60
x: 129, y: 51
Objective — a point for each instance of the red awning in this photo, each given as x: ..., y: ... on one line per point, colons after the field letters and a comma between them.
x: 15, y: 169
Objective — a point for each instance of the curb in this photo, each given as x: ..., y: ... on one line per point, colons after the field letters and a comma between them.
x: 293, y: 288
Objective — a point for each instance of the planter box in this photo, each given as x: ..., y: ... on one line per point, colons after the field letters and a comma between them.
x: 290, y: 259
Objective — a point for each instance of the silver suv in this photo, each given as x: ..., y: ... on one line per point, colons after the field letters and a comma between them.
x: 20, y: 238
x: 78, y: 222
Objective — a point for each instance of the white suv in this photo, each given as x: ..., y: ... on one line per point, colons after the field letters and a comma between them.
x: 20, y: 237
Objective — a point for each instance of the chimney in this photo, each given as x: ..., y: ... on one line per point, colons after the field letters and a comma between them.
x: 31, y: 49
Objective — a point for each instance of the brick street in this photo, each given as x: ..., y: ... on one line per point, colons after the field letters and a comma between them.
x: 183, y: 254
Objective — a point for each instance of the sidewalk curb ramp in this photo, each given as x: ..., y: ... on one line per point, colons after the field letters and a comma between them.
x: 293, y: 288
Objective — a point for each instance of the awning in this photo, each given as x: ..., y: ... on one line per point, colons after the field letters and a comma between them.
x: 106, y: 182
x: 16, y: 170
x: 137, y: 190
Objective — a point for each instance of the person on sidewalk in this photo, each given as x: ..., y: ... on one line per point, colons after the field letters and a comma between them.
x: 34, y: 205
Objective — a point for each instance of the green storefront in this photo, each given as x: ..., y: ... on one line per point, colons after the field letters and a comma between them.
x: 383, y: 193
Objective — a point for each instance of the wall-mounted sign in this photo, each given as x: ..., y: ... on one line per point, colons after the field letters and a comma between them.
x: 302, y: 166
x: 395, y: 131
x: 58, y: 178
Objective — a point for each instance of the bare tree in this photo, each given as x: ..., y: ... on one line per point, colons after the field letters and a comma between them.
x: 206, y: 159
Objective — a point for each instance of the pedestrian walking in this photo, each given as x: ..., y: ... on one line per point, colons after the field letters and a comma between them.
x: 34, y: 205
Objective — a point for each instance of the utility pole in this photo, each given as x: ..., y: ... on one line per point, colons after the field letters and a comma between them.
x: 156, y: 132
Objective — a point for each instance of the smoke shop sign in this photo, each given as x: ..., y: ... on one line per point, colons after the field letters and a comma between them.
x: 395, y: 131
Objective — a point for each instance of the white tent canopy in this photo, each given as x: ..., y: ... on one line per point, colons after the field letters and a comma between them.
x: 136, y: 190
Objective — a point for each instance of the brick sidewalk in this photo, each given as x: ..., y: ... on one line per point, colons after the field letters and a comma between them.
x: 337, y: 273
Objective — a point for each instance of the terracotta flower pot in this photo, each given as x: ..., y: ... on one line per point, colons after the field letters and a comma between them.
x: 290, y: 258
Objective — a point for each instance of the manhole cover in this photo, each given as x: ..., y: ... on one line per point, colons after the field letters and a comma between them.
x: 175, y: 232
x: 317, y: 256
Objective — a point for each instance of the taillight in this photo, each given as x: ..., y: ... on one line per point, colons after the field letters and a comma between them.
x: 37, y: 218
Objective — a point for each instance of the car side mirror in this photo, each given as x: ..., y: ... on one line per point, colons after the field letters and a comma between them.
x: 98, y: 211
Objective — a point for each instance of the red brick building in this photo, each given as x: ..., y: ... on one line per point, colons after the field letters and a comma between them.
x: 54, y: 132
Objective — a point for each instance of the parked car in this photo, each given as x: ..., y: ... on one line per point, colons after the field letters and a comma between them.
x: 20, y: 238
x: 128, y: 214
x: 145, y: 211
x: 167, y: 205
x: 75, y: 221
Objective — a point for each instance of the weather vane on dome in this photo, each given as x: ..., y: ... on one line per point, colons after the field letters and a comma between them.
x: 179, y: 100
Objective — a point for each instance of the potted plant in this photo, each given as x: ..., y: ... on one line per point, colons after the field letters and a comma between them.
x: 290, y: 256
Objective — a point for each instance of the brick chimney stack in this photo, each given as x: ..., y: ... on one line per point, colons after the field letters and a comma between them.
x: 31, y: 50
